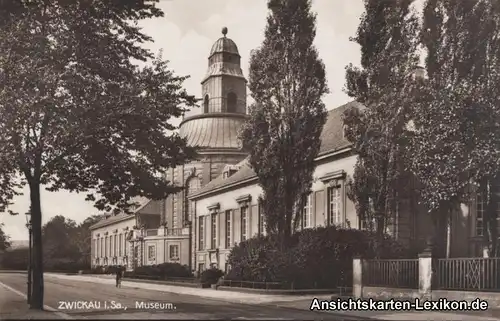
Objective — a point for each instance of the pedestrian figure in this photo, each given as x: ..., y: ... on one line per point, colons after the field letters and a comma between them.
x: 119, y: 275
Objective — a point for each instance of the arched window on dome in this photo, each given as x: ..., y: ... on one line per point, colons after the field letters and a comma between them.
x: 192, y: 185
x: 205, y: 104
x: 231, y: 102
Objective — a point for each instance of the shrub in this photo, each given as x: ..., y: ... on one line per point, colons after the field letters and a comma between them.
x: 175, y: 270
x: 15, y: 259
x: 314, y: 258
x: 211, y: 276
x: 164, y: 270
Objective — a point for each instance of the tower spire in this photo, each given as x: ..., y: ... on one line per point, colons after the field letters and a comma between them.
x: 224, y: 31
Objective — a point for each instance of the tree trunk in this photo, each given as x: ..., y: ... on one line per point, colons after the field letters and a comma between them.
x: 36, y: 223
x: 448, y: 232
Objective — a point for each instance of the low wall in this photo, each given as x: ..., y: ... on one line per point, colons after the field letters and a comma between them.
x: 389, y: 293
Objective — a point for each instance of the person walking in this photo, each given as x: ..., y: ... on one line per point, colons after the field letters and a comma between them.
x: 119, y: 276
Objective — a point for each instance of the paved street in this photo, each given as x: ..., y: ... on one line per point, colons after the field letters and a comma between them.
x: 121, y: 303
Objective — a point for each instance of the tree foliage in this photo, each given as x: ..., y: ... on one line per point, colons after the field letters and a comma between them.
x: 388, y: 38
x: 456, y: 111
x: 78, y: 114
x: 287, y: 81
x: 4, y: 239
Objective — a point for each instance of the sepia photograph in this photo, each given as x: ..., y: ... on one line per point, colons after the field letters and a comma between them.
x: 250, y: 159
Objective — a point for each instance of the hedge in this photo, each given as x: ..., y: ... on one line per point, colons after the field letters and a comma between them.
x: 164, y: 270
x: 314, y: 258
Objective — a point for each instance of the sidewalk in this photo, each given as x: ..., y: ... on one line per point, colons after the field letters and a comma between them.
x: 406, y: 315
x: 14, y: 306
x: 302, y: 302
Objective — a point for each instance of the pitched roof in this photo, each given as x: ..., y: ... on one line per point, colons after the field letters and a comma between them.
x: 145, y: 207
x: 332, y: 139
x: 111, y: 219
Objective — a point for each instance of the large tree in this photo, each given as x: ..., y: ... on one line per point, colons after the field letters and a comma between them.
x: 388, y: 38
x: 58, y: 243
x: 457, y: 112
x: 83, y: 238
x: 287, y: 82
x: 78, y: 113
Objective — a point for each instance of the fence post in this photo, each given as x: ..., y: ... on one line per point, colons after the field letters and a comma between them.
x: 425, y: 274
x: 357, y: 277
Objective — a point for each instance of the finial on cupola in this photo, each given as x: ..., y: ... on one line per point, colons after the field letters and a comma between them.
x: 224, y: 31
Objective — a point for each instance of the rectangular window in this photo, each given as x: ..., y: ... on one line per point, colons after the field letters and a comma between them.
x: 114, y: 244
x: 174, y: 252
x: 201, y: 267
x: 101, y: 252
x: 262, y: 222
x: 214, y: 231
x: 106, y: 246
x: 151, y: 252
x: 201, y: 229
x: 307, y: 211
x: 228, y: 229
x: 120, y: 245
x: 93, y: 248
x: 244, y: 223
x: 481, y: 204
x: 334, y: 206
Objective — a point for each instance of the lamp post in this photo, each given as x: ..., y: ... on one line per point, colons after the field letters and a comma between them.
x: 28, y: 225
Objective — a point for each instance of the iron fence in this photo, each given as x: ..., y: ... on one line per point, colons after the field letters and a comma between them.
x: 468, y: 274
x: 391, y: 273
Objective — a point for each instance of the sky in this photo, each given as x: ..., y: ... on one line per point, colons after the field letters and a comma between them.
x: 186, y: 34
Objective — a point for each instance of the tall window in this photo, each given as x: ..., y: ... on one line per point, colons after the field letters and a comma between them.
x: 174, y: 252
x: 201, y: 267
x: 228, y: 229
x: 114, y: 244
x: 201, y: 229
x: 93, y: 248
x: 481, y: 203
x: 193, y: 184
x: 151, y: 252
x: 231, y: 102
x: 307, y: 211
x: 214, y: 231
x: 334, y: 206
x: 120, y: 244
x: 106, y: 246
x: 205, y: 104
x: 244, y: 223
x: 102, y: 247
x: 262, y: 222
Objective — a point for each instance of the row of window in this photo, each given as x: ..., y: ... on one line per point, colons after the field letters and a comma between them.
x: 113, y: 245
x: 228, y: 224
x: 335, y: 217
x: 173, y: 252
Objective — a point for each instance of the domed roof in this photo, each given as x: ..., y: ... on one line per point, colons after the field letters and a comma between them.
x: 212, y: 130
x: 224, y: 44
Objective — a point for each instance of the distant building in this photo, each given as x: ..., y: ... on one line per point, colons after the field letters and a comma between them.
x: 219, y: 206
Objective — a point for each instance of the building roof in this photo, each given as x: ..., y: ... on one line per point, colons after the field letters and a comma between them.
x: 332, y: 139
x: 224, y: 44
x: 146, y: 207
x: 217, y: 130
